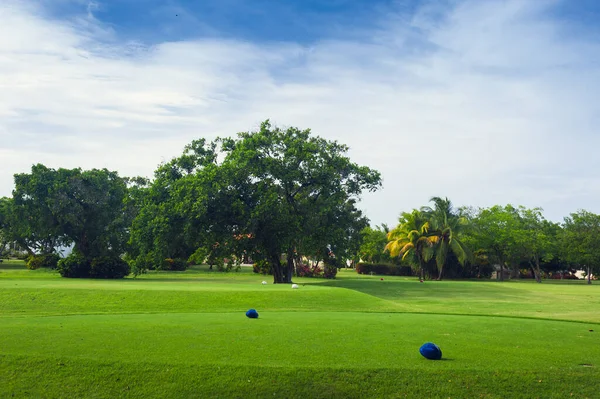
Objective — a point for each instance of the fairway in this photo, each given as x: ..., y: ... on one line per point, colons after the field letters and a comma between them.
x: 184, y: 334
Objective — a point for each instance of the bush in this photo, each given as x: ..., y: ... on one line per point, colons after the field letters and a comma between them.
x: 383, y: 269
x: 330, y: 271
x: 109, y: 267
x: 176, y: 264
x: 48, y: 261
x: 307, y: 271
x: 262, y: 267
x: 74, y: 266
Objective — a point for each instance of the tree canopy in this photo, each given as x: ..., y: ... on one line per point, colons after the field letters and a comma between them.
x: 66, y: 207
x: 285, y: 192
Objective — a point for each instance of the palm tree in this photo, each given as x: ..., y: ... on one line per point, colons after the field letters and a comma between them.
x: 412, y: 240
x: 446, y: 227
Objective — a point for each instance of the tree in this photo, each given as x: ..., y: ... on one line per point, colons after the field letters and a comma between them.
x: 289, y: 192
x: 446, y: 228
x: 180, y: 210
x: 373, y: 243
x: 535, y: 237
x: 492, y: 230
x: 580, y: 241
x: 412, y: 240
x: 70, y: 206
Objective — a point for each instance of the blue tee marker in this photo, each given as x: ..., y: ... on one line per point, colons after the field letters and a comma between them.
x: 252, y: 313
x: 430, y: 351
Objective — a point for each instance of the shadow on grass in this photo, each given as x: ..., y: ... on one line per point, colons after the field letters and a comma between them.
x: 442, y: 290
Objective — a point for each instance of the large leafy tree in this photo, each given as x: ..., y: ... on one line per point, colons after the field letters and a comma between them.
x: 491, y: 230
x: 70, y: 206
x: 287, y: 191
x: 580, y: 241
x: 412, y: 240
x: 446, y: 228
x: 514, y: 236
x: 180, y: 210
x: 535, y: 238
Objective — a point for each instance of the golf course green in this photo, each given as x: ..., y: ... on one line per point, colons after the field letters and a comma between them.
x: 185, y: 334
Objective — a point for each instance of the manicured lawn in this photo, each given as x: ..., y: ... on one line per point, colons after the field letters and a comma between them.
x: 185, y: 335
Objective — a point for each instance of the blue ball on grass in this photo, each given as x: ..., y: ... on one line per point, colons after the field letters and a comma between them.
x: 430, y: 351
x: 252, y: 313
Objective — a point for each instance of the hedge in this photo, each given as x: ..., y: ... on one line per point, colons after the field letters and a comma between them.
x: 383, y: 269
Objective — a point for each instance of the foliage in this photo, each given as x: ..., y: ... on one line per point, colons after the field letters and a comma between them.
x: 103, y: 267
x: 48, y: 261
x: 74, y: 266
x: 270, y: 193
x: 384, y: 269
x: 580, y: 241
x: 109, y: 267
x: 491, y: 232
x: 69, y: 206
x: 174, y: 264
x: 536, y: 238
x: 446, y: 228
x: 262, y: 266
x: 412, y: 240
x: 513, y: 237
x: 330, y: 271
x: 303, y: 270
x: 373, y: 242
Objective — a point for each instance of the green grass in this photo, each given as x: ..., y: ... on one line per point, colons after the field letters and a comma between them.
x: 184, y: 334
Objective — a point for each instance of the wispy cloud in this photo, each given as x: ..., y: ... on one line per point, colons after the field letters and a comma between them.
x: 483, y: 102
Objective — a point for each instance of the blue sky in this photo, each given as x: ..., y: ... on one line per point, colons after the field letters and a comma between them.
x: 494, y: 101
x: 303, y: 22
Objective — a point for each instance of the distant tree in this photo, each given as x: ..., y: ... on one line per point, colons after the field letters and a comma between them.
x: 70, y: 206
x: 580, y: 241
x: 535, y: 236
x: 34, y: 230
x: 412, y: 240
x: 373, y: 242
x: 492, y: 230
x: 446, y: 226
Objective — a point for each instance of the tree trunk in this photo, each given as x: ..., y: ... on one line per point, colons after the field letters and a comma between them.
x: 440, y: 273
x: 290, y: 267
x: 536, y: 271
x: 589, y: 275
x: 282, y: 274
x: 501, y: 271
x: 278, y: 277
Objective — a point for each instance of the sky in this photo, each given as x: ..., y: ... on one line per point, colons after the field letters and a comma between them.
x: 482, y: 101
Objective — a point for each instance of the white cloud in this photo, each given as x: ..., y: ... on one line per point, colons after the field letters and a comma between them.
x: 486, y: 102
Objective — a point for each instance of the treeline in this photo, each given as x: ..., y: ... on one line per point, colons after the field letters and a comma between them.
x: 439, y: 240
x: 276, y: 196
x: 283, y: 199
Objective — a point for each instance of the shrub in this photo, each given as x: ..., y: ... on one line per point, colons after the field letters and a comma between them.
x: 49, y: 261
x: 262, y: 267
x: 109, y: 267
x: 330, y: 271
x: 303, y: 270
x: 383, y: 269
x: 176, y: 264
x: 74, y: 266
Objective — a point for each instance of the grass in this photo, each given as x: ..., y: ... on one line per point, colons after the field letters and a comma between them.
x: 185, y: 335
